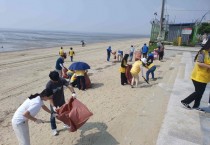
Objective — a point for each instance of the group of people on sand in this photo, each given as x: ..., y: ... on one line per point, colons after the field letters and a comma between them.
x: 53, y: 92
x: 146, y: 61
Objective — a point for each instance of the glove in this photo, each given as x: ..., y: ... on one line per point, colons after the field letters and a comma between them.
x: 54, y: 109
x: 38, y: 121
x: 74, y: 95
x: 54, y: 114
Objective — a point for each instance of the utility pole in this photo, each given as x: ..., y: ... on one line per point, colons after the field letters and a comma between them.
x: 161, y: 20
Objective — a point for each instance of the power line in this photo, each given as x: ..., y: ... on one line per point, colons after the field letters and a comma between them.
x: 185, y: 10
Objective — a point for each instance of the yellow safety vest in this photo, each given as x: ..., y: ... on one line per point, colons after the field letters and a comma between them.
x: 61, y: 52
x: 151, y: 65
x: 122, y: 69
x: 136, y: 67
x: 202, y: 74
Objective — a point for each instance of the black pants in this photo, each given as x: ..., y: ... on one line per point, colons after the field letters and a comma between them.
x: 71, y: 57
x: 144, y: 55
x: 161, y: 55
x: 123, y: 79
x: 197, y: 95
x: 81, y: 80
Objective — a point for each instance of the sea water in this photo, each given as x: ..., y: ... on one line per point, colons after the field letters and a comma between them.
x: 14, y: 40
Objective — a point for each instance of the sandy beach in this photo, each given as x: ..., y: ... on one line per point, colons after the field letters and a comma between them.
x: 122, y: 115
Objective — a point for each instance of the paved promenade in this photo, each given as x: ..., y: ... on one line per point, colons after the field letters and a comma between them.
x: 182, y: 126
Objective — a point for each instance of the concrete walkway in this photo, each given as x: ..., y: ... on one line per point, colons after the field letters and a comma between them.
x: 182, y: 126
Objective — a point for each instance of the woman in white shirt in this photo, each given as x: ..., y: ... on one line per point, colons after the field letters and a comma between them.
x: 27, y: 111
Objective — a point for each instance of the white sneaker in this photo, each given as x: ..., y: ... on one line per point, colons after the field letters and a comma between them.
x: 54, y: 132
x: 66, y: 126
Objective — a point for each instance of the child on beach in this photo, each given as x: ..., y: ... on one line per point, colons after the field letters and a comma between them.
x: 122, y: 69
x: 109, y: 50
x: 71, y: 54
x: 119, y: 55
x: 132, y: 49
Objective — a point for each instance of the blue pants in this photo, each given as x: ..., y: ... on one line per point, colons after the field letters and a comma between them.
x: 52, y: 119
x: 131, y: 56
x: 151, y: 70
x: 108, y: 56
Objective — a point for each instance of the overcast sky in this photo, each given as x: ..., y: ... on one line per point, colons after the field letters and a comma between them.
x: 110, y: 16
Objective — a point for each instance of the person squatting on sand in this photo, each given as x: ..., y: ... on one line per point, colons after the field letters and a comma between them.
x: 123, y: 69
x: 27, y: 111
x: 135, y: 70
x: 200, y: 77
x: 59, y: 64
x: 56, y: 84
x: 151, y: 68
x: 80, y: 74
x: 71, y: 54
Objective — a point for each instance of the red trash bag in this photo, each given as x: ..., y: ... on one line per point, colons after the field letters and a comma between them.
x: 87, y: 81
x: 73, y: 114
x: 64, y: 73
x: 137, y: 55
x: 128, y: 73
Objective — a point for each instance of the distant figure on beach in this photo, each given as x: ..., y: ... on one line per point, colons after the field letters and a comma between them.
x: 144, y: 50
x: 161, y: 51
x: 132, y: 49
x: 27, y: 111
x: 83, y: 43
x: 119, y: 55
x: 200, y: 77
x: 59, y: 64
x: 151, y: 68
x: 71, y: 54
x: 123, y: 69
x: 135, y: 70
x: 56, y: 84
x: 61, y: 51
x: 109, y: 51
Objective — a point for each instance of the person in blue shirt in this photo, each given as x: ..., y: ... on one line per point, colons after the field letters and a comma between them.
x: 109, y: 50
x: 144, y: 50
x: 59, y: 64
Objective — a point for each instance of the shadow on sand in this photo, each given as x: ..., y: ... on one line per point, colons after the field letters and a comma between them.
x: 94, y: 133
x: 96, y: 85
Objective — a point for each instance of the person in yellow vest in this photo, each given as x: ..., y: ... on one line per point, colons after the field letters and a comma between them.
x: 123, y: 68
x: 61, y: 51
x: 73, y: 80
x: 135, y: 70
x: 151, y: 68
x: 81, y: 79
x: 71, y: 54
x: 200, y: 77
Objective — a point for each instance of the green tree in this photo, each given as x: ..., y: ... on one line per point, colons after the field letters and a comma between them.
x: 204, y: 28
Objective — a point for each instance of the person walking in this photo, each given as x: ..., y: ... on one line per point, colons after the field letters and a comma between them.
x: 123, y: 69
x: 144, y: 50
x: 200, y: 77
x: 109, y: 50
x: 132, y: 49
x: 61, y: 51
x: 161, y: 52
x: 27, y: 111
x: 71, y: 54
x: 56, y: 84
x: 151, y: 68
x: 135, y: 70
x: 59, y: 64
